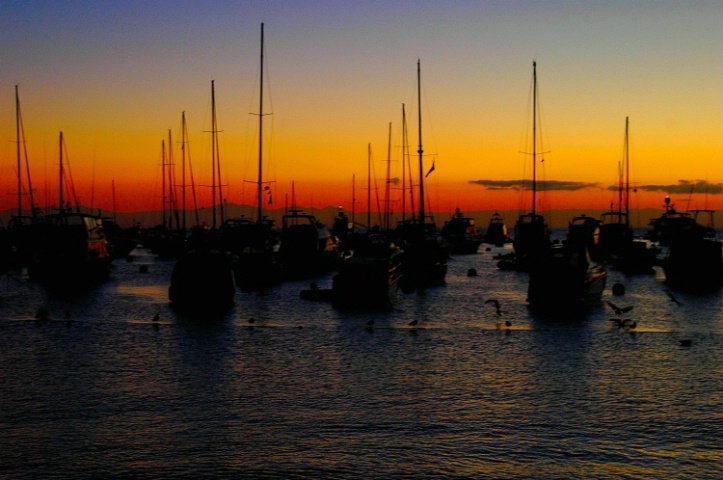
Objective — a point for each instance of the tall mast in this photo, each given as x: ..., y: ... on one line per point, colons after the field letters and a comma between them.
x: 261, y: 127
x: 183, y: 172
x: 369, y: 186
x: 213, y: 154
x: 420, y: 151
x: 534, y: 137
x: 17, y: 139
x: 353, y: 199
x: 387, y: 196
x: 163, y: 180
x: 172, y: 210
x: 404, y: 160
x: 60, y: 188
x: 627, y: 174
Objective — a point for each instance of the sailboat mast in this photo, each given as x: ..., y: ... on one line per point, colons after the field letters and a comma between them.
x: 534, y: 137
x: 213, y: 155
x: 369, y: 186
x: 420, y: 151
x: 353, y: 199
x: 387, y: 196
x: 17, y: 139
x: 60, y: 188
x: 627, y: 174
x: 261, y: 127
x: 183, y: 171
x: 163, y: 180
x: 404, y: 160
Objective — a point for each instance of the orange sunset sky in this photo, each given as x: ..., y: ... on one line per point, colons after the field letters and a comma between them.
x: 116, y: 76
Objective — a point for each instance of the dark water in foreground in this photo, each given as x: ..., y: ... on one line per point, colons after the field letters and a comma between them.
x: 309, y: 392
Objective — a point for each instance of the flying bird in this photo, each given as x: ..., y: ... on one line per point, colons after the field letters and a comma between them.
x: 672, y: 298
x: 619, y: 310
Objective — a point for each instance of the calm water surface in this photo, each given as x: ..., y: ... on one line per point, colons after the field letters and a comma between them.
x: 307, y: 391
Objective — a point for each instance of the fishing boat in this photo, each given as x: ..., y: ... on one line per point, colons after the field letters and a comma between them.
x: 69, y: 248
x: 461, y: 234
x: 497, y: 233
x: 531, y: 238
x: 425, y: 251
x: 617, y: 243
x: 673, y: 223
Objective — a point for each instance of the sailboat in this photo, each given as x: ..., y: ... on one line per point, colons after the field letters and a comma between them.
x: 531, y: 237
x: 562, y: 277
x: 202, y: 278
x: 20, y: 235
x: 617, y: 243
x: 425, y: 251
x: 70, y: 248
x: 370, y: 268
x: 254, y: 243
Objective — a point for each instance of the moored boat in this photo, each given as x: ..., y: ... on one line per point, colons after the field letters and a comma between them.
x: 531, y: 239
x: 497, y: 233
x: 461, y: 234
x: 369, y: 273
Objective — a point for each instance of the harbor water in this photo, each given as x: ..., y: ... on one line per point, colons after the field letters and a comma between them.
x: 92, y: 386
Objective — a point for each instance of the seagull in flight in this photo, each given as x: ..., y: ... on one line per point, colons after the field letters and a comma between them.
x: 619, y: 310
x: 624, y: 323
x: 672, y: 298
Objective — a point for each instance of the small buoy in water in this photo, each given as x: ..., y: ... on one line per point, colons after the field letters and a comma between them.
x: 472, y: 272
x: 144, y: 269
x: 413, y: 323
x: 618, y: 289
x: 252, y: 320
x: 686, y: 343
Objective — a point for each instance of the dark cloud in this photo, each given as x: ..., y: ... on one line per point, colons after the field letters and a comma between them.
x: 542, y: 185
x: 683, y: 186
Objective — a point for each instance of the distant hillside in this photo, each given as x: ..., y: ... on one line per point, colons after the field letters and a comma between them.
x: 555, y: 218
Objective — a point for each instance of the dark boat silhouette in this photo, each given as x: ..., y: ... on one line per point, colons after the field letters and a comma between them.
x: 531, y: 239
x: 369, y: 273
x: 497, y: 233
x: 694, y: 258
x: 461, y: 234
